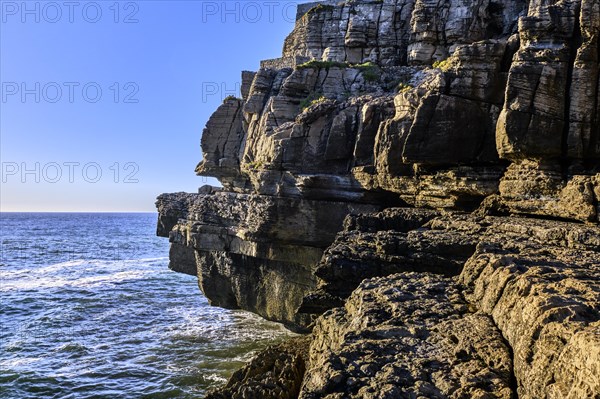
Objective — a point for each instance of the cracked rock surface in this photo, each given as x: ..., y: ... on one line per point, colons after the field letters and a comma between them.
x: 407, y: 335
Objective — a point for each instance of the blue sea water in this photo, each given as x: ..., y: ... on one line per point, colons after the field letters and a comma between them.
x: 89, y: 309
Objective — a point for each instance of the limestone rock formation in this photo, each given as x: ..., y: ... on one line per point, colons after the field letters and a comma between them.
x: 254, y: 252
x: 530, y: 286
x: 407, y: 335
x: 415, y: 102
x: 546, y: 302
x: 417, y: 183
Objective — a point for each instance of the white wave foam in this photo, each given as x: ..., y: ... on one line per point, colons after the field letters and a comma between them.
x: 215, y: 378
x: 76, y: 273
x: 18, y: 362
x: 34, y: 282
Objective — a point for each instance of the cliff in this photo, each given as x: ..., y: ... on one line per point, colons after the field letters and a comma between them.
x: 417, y: 183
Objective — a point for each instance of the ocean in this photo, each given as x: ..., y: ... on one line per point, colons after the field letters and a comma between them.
x: 89, y: 309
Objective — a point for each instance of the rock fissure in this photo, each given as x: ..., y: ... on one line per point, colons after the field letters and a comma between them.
x: 577, y: 41
x: 377, y: 24
x: 594, y: 141
x: 231, y: 128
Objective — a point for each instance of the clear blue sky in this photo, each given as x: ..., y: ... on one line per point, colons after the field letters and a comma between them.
x: 161, y: 75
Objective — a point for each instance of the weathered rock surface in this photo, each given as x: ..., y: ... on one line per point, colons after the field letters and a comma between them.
x: 372, y: 116
x: 275, y: 373
x: 530, y: 286
x: 539, y: 188
x: 349, y: 168
x: 546, y: 301
x: 552, y: 88
x: 407, y: 246
x: 245, y: 254
x: 407, y: 335
x: 377, y: 245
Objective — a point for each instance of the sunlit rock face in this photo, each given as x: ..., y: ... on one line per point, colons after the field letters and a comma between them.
x: 361, y: 153
x: 423, y: 104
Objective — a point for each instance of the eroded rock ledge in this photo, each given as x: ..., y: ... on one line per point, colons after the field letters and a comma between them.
x: 417, y: 184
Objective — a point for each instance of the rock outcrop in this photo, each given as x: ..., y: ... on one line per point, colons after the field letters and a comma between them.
x: 254, y: 252
x: 520, y: 318
x: 407, y: 335
x: 275, y: 373
x: 417, y: 183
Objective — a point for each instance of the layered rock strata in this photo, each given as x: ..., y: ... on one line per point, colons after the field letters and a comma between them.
x: 254, y: 252
x: 350, y: 167
x: 520, y: 317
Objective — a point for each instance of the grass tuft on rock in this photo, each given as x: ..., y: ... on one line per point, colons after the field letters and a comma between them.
x: 319, y: 8
x: 444, y: 65
x: 312, y: 99
x: 370, y: 71
x: 318, y: 64
x: 403, y: 87
x: 229, y: 98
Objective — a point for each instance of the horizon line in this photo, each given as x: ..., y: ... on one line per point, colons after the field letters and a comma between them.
x: 78, y: 212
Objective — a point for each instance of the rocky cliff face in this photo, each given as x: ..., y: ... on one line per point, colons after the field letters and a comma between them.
x: 417, y: 183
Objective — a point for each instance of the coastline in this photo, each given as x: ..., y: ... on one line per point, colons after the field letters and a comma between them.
x: 425, y: 207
